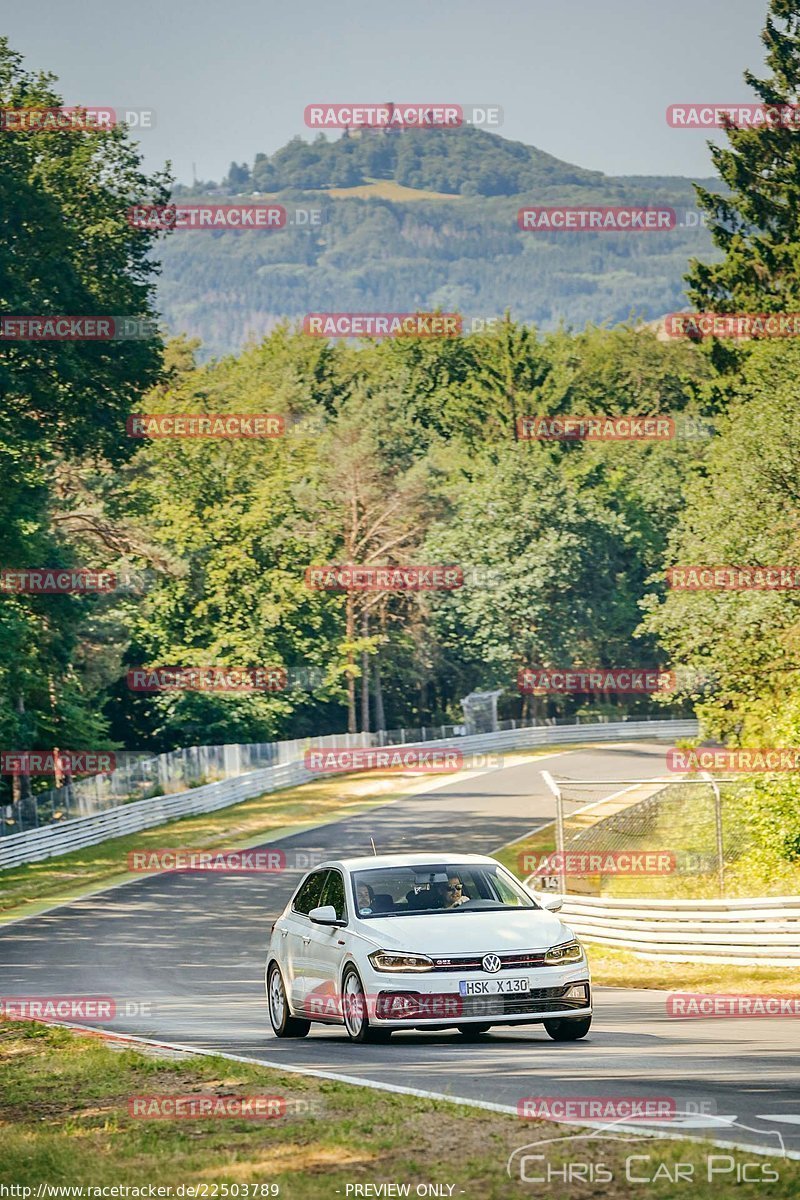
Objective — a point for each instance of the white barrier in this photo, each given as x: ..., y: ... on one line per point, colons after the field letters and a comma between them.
x: 51, y: 840
x: 764, y: 931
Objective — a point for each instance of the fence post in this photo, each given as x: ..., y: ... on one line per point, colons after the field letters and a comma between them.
x: 718, y: 824
x: 232, y: 759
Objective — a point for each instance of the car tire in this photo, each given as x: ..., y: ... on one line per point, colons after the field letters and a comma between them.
x: 568, y: 1029
x: 281, y: 1020
x: 354, y: 1011
x: 471, y: 1033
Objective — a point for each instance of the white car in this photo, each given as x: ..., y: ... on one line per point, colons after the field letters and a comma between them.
x: 423, y: 941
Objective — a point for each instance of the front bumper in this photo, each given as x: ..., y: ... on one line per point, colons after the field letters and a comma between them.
x: 434, y: 1000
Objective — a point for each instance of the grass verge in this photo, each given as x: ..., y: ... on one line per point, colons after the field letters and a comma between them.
x: 66, y: 1119
x: 623, y: 968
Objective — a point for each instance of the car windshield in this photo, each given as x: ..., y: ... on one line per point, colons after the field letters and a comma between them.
x: 436, y: 887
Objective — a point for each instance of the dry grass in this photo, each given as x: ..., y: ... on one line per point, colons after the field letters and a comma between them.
x: 65, y: 1120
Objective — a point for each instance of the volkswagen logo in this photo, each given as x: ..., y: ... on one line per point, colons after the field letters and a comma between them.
x: 491, y: 963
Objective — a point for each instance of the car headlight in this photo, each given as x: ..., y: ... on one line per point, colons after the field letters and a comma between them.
x: 388, y: 960
x: 567, y: 952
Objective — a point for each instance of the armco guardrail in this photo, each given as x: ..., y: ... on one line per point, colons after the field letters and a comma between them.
x: 51, y: 840
x: 763, y: 931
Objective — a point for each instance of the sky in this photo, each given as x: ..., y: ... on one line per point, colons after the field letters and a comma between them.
x: 586, y: 80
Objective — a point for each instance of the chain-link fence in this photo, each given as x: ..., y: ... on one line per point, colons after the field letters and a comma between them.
x: 675, y: 838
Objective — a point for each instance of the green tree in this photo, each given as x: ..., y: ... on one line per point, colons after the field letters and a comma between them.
x: 550, y: 570
x: 741, y: 509
x: 67, y: 249
x: 757, y: 223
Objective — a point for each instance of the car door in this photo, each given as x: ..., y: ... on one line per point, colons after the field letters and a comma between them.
x: 295, y: 930
x: 324, y: 953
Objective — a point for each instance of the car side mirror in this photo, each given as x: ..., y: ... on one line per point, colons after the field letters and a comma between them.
x: 325, y: 915
x: 551, y: 903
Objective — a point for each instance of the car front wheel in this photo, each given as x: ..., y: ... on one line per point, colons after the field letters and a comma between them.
x: 568, y: 1029
x: 282, y: 1021
x: 354, y: 1010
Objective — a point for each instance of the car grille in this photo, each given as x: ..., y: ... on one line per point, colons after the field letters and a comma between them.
x: 473, y: 962
x: 449, y: 1006
x: 537, y: 1000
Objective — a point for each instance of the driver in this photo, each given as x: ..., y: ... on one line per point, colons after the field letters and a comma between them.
x: 455, y: 894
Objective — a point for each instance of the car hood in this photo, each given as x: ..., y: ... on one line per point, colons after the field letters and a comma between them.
x: 468, y: 932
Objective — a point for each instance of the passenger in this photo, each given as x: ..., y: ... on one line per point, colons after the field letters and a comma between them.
x: 455, y: 893
x: 366, y: 896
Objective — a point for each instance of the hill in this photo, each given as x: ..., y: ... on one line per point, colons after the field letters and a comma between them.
x: 423, y: 219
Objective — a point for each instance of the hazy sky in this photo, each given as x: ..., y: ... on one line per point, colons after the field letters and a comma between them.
x: 586, y: 80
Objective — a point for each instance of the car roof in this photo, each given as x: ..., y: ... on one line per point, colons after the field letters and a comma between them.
x: 368, y: 861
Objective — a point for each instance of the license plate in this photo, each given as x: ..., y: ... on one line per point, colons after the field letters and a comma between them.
x: 492, y: 987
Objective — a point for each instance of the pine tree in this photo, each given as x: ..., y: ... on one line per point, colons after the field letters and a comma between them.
x: 757, y: 225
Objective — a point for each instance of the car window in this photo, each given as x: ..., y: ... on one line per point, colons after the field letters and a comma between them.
x: 436, y: 887
x: 309, y: 895
x: 505, y: 890
x: 334, y: 893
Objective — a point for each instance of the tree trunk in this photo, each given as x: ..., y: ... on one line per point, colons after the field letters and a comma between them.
x: 351, y: 682
x: 365, y: 675
x: 24, y: 803
x: 380, y: 715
